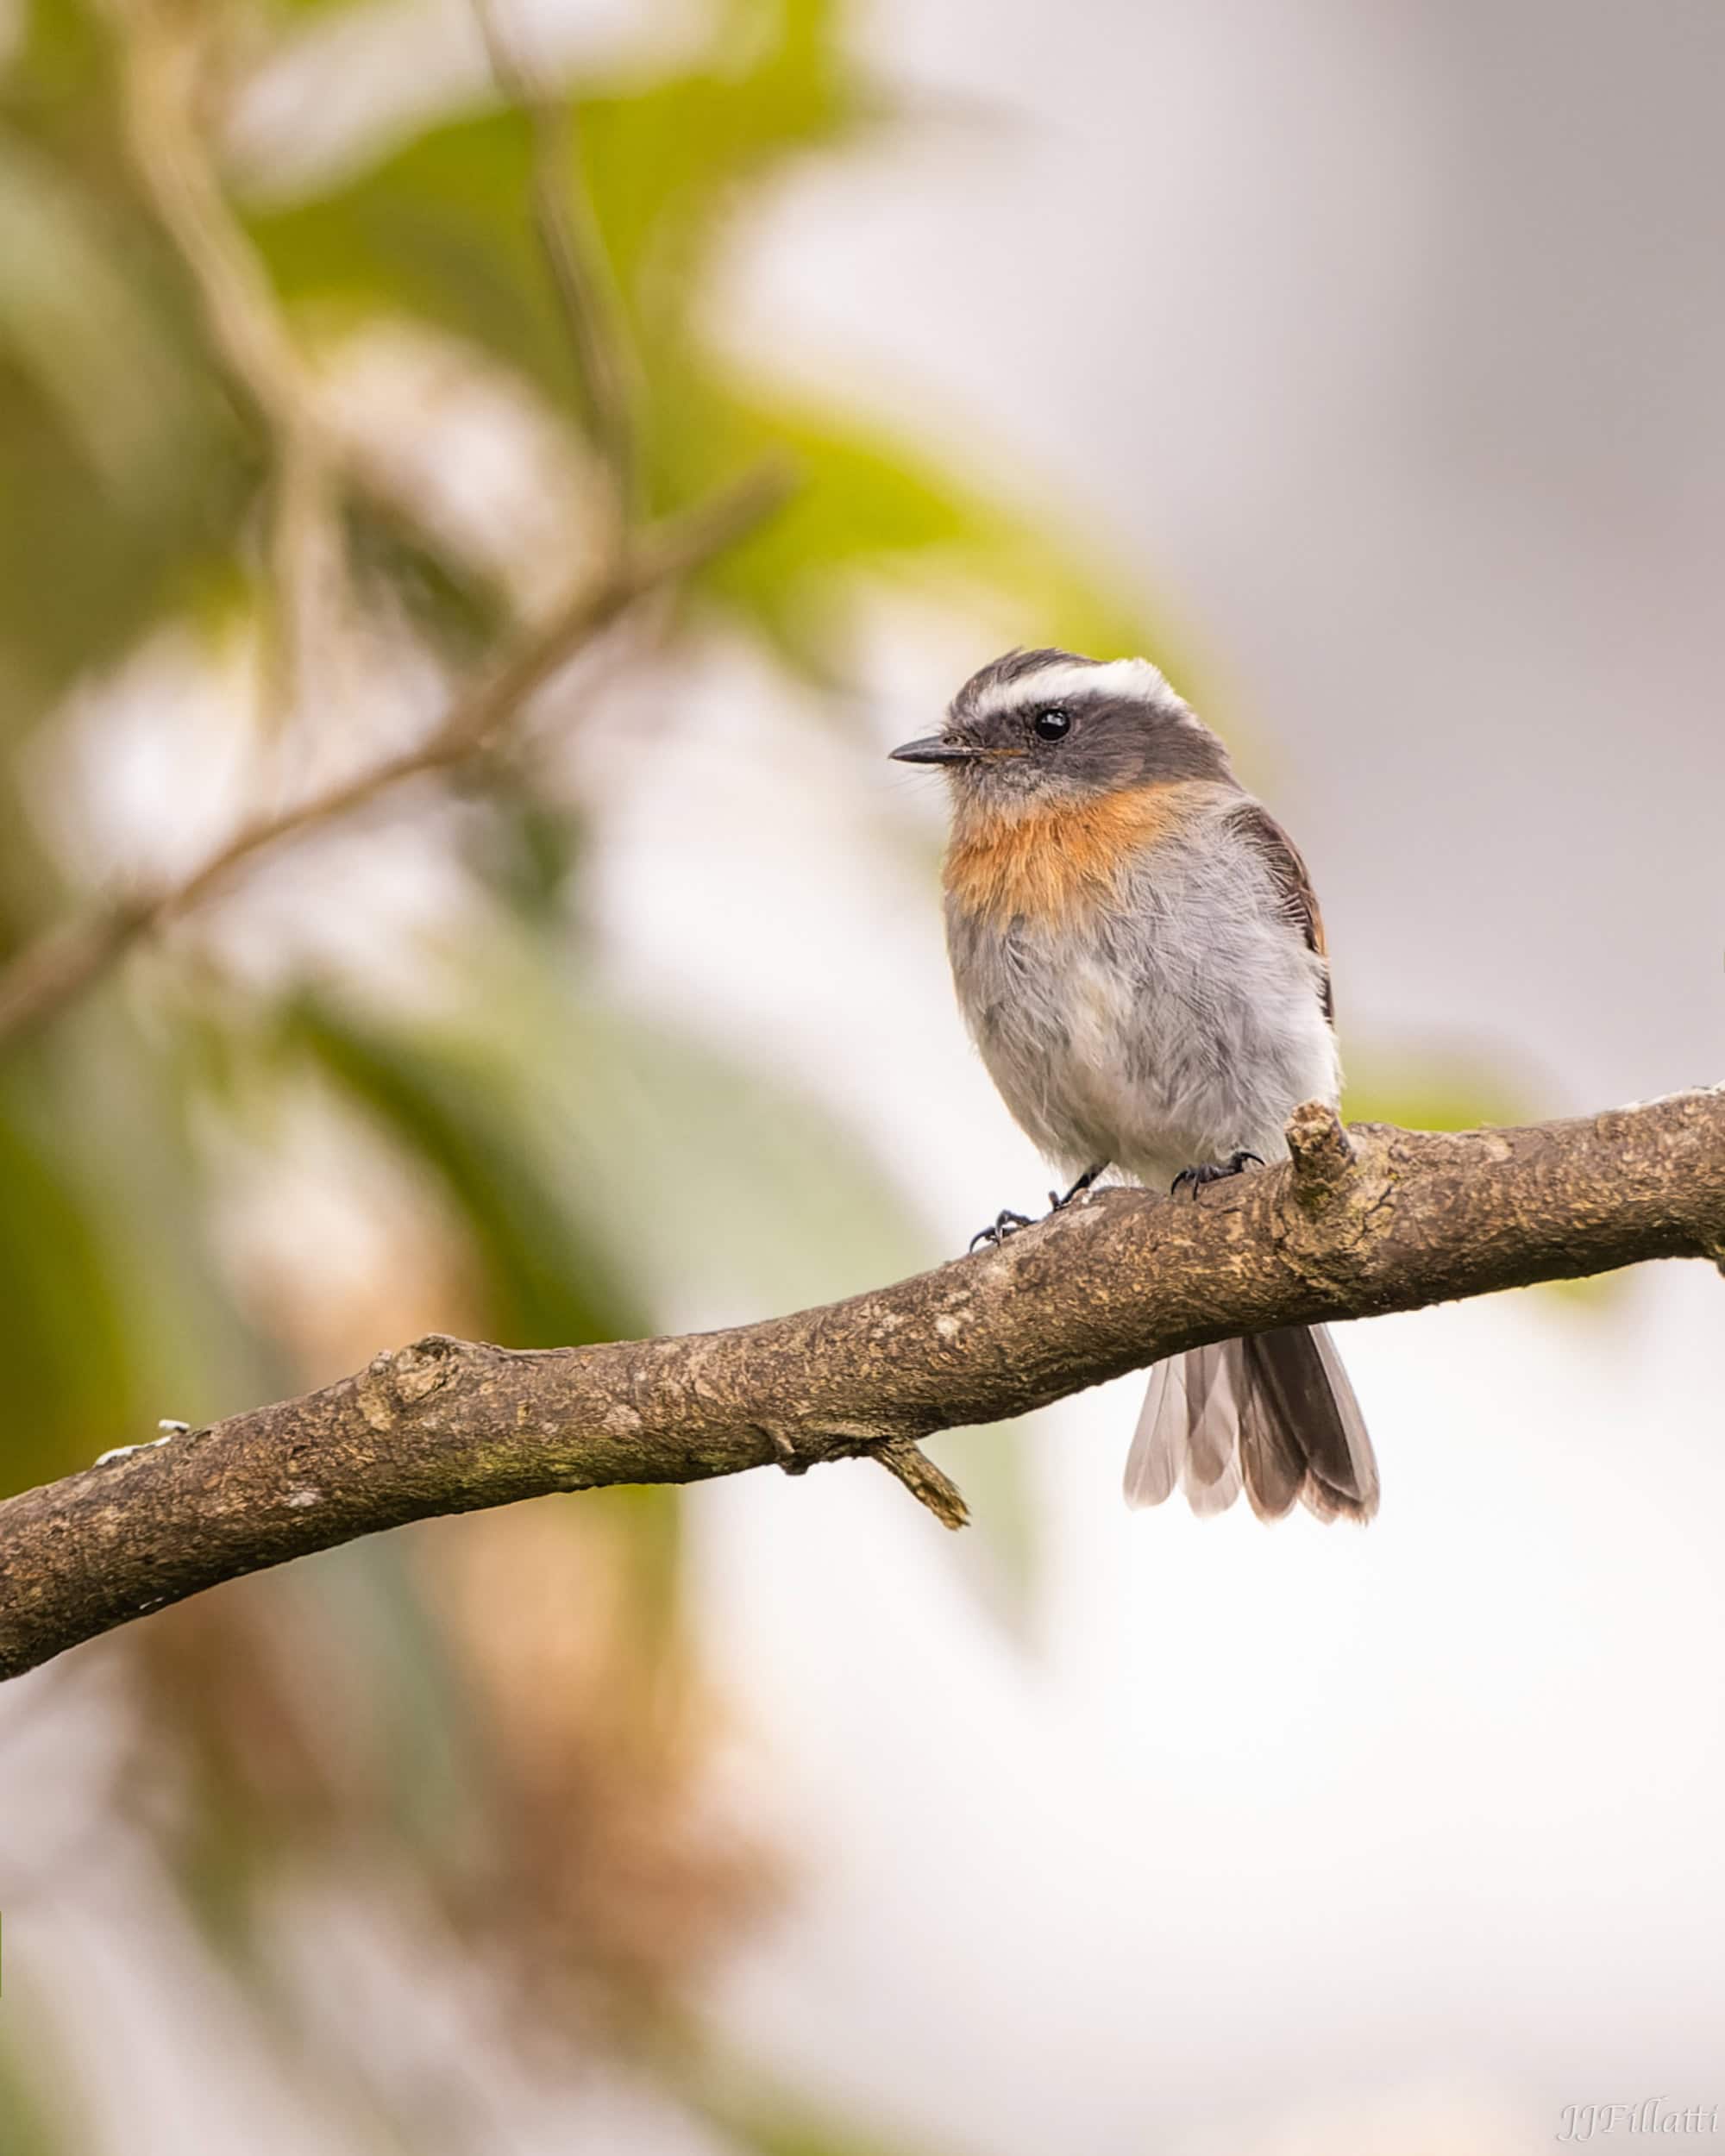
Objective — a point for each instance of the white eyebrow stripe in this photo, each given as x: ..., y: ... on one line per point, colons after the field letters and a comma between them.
x: 1135, y: 678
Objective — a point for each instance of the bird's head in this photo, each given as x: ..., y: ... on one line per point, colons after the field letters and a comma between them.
x: 1037, y: 728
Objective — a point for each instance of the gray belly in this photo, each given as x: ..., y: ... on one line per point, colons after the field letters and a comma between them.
x: 1153, y: 1042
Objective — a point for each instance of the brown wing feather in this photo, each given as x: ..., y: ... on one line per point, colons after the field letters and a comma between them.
x: 1298, y: 900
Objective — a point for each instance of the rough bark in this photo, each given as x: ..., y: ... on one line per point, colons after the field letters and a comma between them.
x: 1357, y: 1223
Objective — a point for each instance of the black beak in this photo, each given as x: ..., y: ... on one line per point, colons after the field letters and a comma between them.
x: 935, y: 750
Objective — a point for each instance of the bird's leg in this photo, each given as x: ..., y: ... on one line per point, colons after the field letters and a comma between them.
x: 1210, y: 1171
x: 1002, y: 1225
x: 1090, y: 1175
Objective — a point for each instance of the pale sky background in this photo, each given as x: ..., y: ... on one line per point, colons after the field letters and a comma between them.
x: 1385, y: 342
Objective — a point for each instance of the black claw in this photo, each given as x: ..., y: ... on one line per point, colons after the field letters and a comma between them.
x: 1210, y: 1171
x: 1002, y: 1225
x: 1055, y: 1201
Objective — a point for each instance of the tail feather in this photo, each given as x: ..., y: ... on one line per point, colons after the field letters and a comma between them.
x: 1211, y: 1413
x: 1274, y: 1413
x: 1271, y: 1460
x: 1298, y: 1371
x: 1158, y: 1450
x: 1187, y: 1433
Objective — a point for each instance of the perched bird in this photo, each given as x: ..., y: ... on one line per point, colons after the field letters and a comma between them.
x: 1140, y: 959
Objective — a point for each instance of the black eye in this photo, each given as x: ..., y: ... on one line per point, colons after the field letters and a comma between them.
x: 1051, y: 722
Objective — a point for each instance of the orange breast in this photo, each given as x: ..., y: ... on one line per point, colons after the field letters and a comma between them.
x: 1052, y: 865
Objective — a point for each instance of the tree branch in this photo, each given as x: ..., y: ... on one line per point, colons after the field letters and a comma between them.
x: 1375, y: 1220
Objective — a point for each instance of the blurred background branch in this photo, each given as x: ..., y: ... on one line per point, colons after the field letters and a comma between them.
x: 40, y: 980
x: 165, y: 63
x: 575, y: 258
x: 165, y: 70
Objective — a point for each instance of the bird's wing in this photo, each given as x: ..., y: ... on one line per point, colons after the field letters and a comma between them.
x: 1293, y: 885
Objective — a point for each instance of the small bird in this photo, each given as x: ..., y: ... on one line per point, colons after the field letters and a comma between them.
x: 1140, y: 959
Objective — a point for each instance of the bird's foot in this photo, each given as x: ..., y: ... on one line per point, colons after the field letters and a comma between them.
x: 1056, y: 1203
x: 1211, y: 1171
x: 1002, y: 1225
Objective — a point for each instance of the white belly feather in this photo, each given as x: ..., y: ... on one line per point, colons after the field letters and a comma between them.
x: 1179, y: 1025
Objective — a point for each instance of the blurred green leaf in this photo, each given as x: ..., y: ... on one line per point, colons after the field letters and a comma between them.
x: 756, y: 2112
x: 867, y: 503
x: 33, y: 2122
x: 665, y: 165
x: 432, y: 1742
x: 548, y: 1279
x: 125, y: 475
x: 294, y: 8
x: 393, y: 566
x: 1441, y: 1087
x: 84, y: 570
x: 63, y: 64
x: 76, y: 323
x: 527, y: 849
x: 802, y: 2132
x: 62, y: 1335
x: 114, y: 1311
x: 439, y: 230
